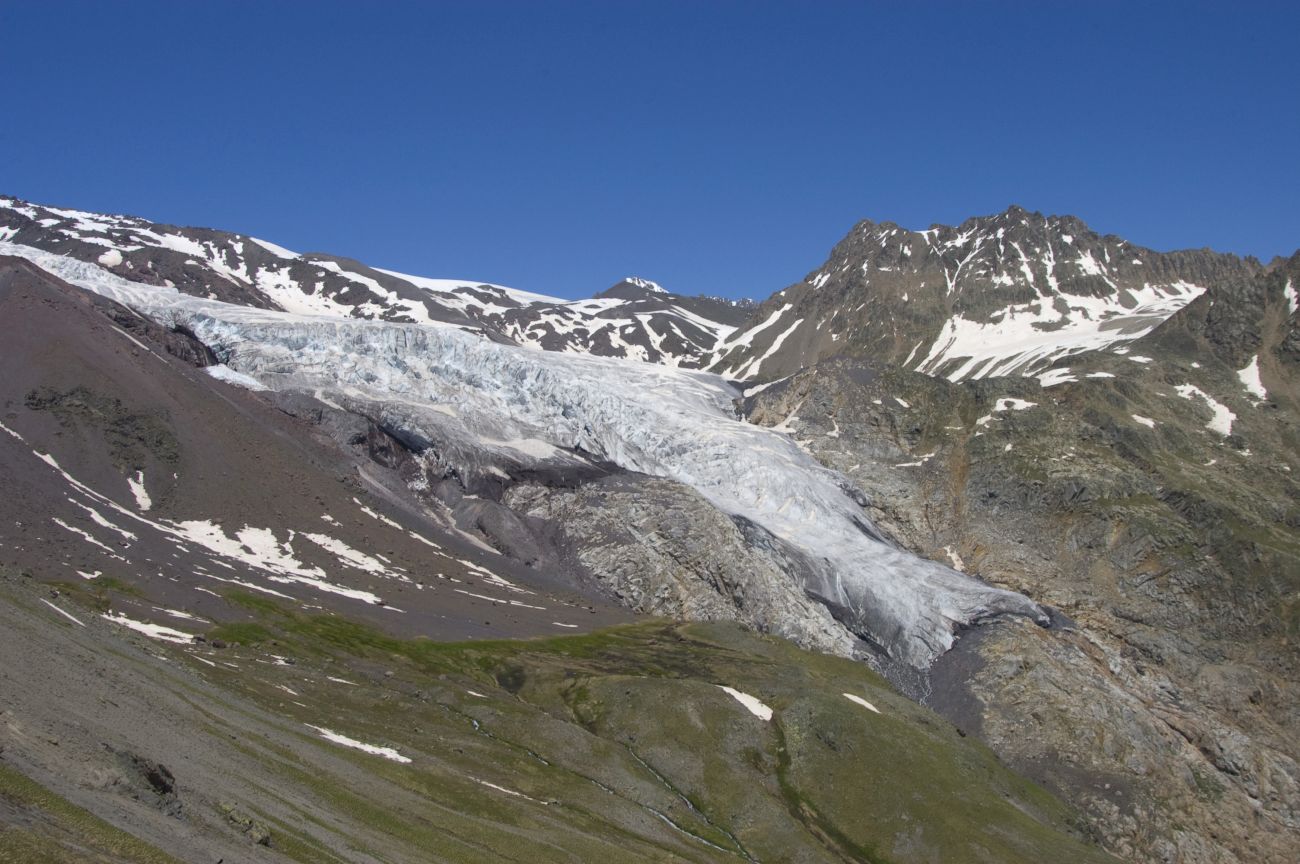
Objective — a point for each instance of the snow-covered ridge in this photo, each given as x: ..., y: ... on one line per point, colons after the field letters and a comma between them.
x: 459, y: 290
x: 250, y: 271
x: 661, y: 332
x: 442, y: 383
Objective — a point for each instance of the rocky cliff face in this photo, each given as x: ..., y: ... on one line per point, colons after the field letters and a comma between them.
x: 662, y: 549
x: 997, y: 295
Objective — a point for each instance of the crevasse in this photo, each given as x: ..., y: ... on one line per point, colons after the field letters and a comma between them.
x: 444, y: 384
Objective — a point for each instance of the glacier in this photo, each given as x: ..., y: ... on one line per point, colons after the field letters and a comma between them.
x: 439, y: 383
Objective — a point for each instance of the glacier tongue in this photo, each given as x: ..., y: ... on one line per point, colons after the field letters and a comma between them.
x: 439, y: 382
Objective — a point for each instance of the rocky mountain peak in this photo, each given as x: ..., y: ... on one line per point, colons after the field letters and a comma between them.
x: 1001, y: 294
x: 634, y: 288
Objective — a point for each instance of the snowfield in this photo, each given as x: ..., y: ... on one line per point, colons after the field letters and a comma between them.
x: 440, y: 383
x: 1025, y: 339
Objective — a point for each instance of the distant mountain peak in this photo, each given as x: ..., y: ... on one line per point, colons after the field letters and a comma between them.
x: 645, y: 283
x: 635, y: 288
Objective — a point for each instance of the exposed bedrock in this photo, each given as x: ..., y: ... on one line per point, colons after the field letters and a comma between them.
x: 662, y: 549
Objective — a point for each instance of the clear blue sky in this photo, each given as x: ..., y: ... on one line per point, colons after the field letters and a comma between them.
x: 718, y: 147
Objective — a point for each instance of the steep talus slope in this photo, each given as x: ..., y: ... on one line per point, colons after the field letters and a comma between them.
x: 635, y: 319
x: 997, y: 295
x: 1150, y: 496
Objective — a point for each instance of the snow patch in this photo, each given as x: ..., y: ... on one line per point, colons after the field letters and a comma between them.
x: 386, y: 752
x: 1250, y: 380
x: 85, y: 535
x: 138, y: 490
x: 750, y: 370
x: 153, y: 631
x: 1223, y: 417
x: 1052, y: 377
x: 747, y: 336
x: 504, y: 600
x: 754, y: 706
x: 379, y: 517
x: 177, y: 613
x: 349, y: 556
x: 70, y: 617
x: 259, y: 548
x: 504, y: 789
x: 860, y: 701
